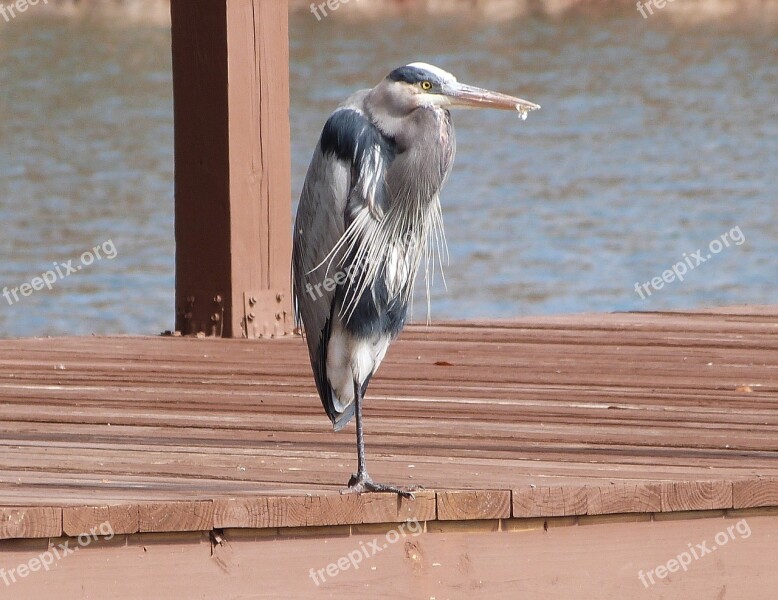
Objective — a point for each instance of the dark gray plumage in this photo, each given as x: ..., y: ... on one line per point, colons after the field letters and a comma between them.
x: 368, y: 214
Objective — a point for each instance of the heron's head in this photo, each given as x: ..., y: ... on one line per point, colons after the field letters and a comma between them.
x: 420, y: 84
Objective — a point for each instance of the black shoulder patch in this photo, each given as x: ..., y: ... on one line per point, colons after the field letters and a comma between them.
x: 349, y: 135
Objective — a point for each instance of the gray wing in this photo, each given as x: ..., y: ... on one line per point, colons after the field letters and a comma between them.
x: 346, y: 176
x: 318, y: 227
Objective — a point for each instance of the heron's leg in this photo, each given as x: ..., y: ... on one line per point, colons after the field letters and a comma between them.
x: 361, y: 481
x: 361, y: 468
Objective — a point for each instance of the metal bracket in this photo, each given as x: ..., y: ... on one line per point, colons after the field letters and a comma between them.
x: 190, y: 319
x: 265, y: 314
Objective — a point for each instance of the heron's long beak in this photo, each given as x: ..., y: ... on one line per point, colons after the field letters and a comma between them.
x: 467, y: 96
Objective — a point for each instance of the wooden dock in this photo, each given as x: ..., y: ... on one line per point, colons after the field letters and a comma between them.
x: 618, y: 420
x: 567, y: 457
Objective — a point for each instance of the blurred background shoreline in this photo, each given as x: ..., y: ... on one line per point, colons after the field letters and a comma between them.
x: 680, y: 11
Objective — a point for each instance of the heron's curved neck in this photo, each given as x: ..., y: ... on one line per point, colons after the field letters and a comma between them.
x: 390, y: 113
x: 389, y: 125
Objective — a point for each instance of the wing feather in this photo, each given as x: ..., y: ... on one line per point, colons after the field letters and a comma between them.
x: 344, y: 190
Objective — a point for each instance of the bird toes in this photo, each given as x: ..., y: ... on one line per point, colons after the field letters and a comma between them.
x: 360, y: 483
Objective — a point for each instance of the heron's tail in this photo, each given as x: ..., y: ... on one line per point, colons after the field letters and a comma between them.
x: 342, y: 419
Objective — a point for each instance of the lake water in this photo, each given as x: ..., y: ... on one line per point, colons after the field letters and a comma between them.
x: 654, y: 140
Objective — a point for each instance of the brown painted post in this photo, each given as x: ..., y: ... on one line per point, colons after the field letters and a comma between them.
x: 232, y: 157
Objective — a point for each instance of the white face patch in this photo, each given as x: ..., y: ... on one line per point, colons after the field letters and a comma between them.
x: 444, y: 75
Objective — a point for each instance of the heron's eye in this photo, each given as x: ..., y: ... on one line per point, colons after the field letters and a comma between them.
x: 426, y: 85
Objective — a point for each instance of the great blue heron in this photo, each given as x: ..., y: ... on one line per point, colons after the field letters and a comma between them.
x: 368, y: 213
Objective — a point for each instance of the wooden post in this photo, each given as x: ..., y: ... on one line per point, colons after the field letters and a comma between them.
x: 232, y: 158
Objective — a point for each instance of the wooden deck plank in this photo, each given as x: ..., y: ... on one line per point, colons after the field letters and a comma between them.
x: 461, y: 505
x: 547, y: 416
x: 30, y: 522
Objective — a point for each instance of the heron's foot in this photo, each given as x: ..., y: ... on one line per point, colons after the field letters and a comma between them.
x: 361, y: 482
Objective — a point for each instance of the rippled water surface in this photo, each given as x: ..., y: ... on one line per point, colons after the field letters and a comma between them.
x: 653, y: 141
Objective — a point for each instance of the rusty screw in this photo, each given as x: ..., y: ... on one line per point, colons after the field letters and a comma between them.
x: 252, y: 301
x: 250, y: 316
